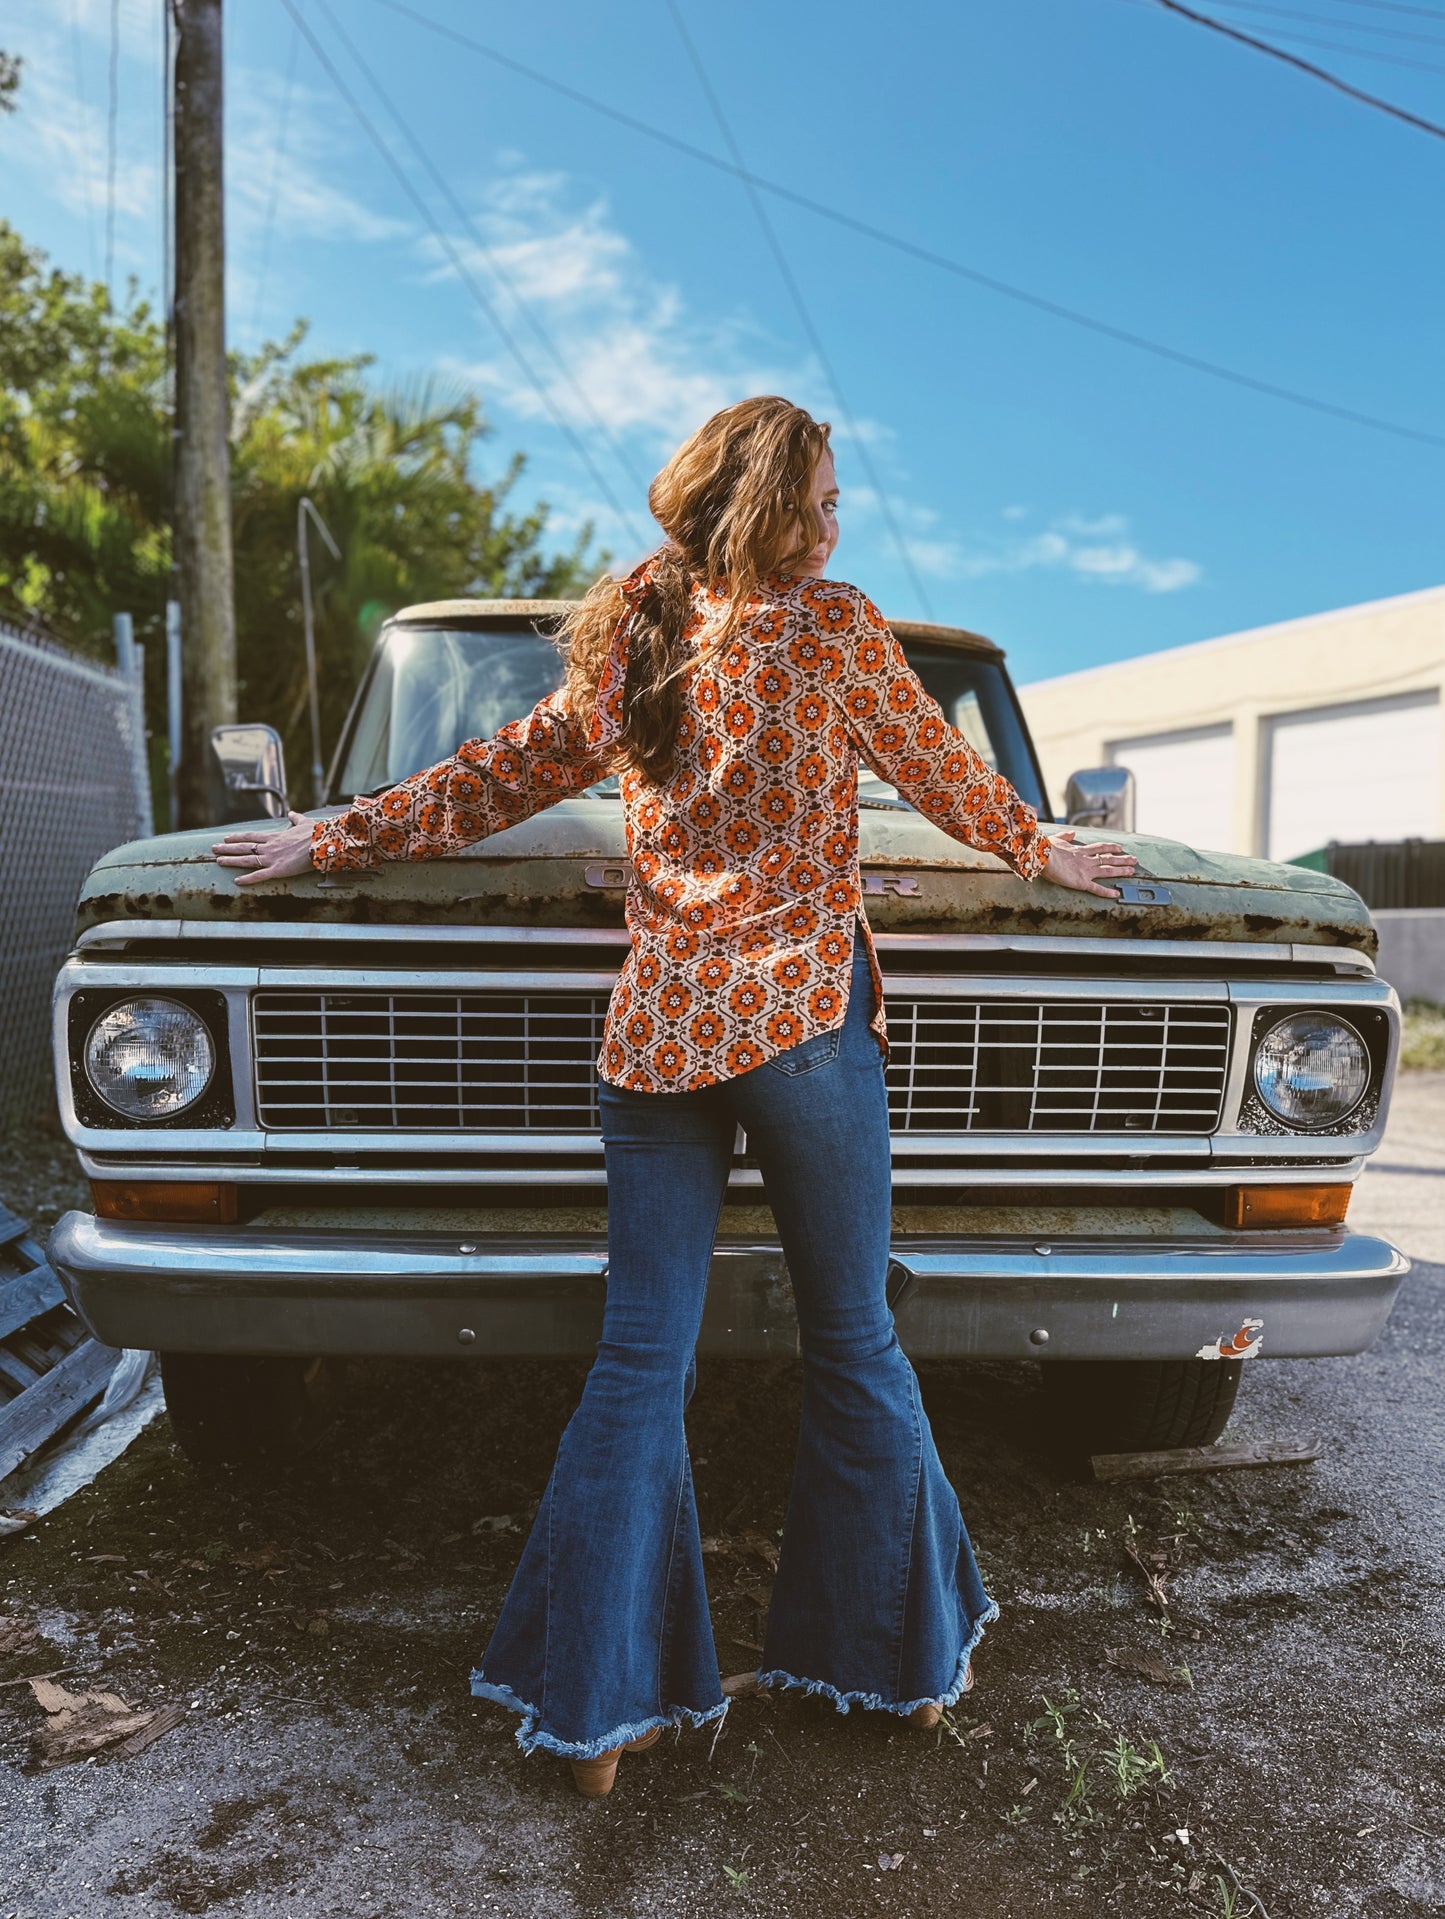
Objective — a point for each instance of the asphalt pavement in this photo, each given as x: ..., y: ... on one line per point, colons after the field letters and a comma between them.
x: 1207, y: 1696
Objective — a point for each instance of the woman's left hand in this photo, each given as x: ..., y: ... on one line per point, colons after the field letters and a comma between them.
x: 1082, y: 867
x: 271, y: 855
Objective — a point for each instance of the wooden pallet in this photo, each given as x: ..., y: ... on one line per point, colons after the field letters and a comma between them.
x: 50, y: 1367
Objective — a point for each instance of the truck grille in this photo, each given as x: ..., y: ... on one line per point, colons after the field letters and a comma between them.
x: 1052, y: 1066
x: 429, y: 1062
x: 517, y: 1062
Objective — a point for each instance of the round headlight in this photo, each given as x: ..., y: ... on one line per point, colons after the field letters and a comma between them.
x: 1311, y: 1069
x: 150, y: 1058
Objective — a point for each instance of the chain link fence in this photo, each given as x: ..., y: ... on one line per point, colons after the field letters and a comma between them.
x: 72, y: 784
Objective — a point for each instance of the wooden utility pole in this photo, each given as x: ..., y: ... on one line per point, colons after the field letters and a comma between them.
x: 205, y: 577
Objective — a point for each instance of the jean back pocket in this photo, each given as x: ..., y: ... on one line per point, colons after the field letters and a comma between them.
x: 809, y: 1053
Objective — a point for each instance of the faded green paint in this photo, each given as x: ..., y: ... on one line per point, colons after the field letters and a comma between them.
x: 535, y: 874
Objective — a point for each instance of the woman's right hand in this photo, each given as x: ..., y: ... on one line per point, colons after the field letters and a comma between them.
x: 1082, y: 867
x: 273, y: 854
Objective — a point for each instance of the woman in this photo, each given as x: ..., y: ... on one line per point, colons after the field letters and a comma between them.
x: 734, y: 689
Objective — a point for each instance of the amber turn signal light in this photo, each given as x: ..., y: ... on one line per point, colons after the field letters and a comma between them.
x: 1286, y: 1205
x: 162, y: 1201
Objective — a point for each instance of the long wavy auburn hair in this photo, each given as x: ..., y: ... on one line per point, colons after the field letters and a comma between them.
x: 735, y: 502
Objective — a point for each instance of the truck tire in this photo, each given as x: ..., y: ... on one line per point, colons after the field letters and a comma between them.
x: 1140, y: 1405
x: 230, y: 1409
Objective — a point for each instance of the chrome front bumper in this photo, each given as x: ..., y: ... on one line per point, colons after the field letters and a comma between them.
x: 250, y: 1290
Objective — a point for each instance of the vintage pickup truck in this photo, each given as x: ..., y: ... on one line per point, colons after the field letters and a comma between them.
x: 356, y: 1115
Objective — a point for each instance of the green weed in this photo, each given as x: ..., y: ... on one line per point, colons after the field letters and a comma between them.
x: 1101, y: 1768
x: 1227, y: 1898
x: 1422, y: 1037
x: 1132, y: 1770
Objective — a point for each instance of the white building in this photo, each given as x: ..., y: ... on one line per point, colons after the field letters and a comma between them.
x: 1273, y: 741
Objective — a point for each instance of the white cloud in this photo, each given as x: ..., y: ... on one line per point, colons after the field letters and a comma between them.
x: 1097, y: 550
x: 1098, y: 528
x: 59, y: 130
x: 571, y: 510
x: 137, y: 20
x: 934, y: 554
x: 59, y: 136
x: 308, y: 204
x: 648, y: 366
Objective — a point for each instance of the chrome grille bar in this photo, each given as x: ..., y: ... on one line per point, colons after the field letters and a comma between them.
x: 372, y: 1060
x: 1057, y: 1066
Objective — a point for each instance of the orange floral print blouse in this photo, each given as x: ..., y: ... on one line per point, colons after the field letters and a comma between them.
x: 745, y: 884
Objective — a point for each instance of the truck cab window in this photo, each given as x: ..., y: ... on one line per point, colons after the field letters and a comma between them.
x: 430, y: 688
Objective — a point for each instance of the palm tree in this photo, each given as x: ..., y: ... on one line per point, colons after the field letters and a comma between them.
x: 390, y: 474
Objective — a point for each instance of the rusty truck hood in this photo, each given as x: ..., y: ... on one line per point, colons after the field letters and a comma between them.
x: 565, y: 868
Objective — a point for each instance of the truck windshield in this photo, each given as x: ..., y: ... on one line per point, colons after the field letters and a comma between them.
x: 430, y: 688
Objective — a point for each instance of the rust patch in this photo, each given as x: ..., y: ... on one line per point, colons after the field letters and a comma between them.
x: 542, y: 885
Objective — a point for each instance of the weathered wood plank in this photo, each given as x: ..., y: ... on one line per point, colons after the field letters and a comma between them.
x: 29, y: 1349
x: 26, y: 1296
x: 1204, y: 1459
x: 15, y: 1374
x: 11, y: 1225
x: 42, y: 1409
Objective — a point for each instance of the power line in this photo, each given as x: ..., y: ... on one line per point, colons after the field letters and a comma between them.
x: 462, y: 271
x: 112, y: 115
x: 277, y: 156
x: 168, y: 282
x: 167, y: 180
x: 489, y: 258
x: 1335, y: 21
x: 1305, y: 66
x: 78, y: 59
x: 1342, y: 23
x: 1040, y: 303
x: 795, y: 294
x: 1397, y: 6
x: 1361, y: 53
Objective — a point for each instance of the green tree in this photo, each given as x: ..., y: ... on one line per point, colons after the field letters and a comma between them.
x: 83, y: 451
x: 389, y: 472
x: 84, y: 496
x: 10, y: 65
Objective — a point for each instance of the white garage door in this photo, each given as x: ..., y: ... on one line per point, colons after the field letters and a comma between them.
x: 1369, y: 771
x: 1185, y: 784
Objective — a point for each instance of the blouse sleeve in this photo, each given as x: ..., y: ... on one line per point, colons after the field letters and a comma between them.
x: 487, y: 784
x: 901, y: 733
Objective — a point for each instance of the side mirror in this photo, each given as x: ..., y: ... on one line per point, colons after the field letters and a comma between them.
x: 253, y: 772
x: 1101, y: 796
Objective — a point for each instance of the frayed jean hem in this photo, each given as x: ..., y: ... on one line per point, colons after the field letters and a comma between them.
x: 530, y: 1739
x: 874, y: 1702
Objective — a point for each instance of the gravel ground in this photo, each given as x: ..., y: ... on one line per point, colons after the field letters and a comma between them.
x: 330, y: 1760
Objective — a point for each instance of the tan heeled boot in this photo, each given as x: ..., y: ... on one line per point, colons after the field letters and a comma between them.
x: 927, y: 1717
x: 593, y: 1778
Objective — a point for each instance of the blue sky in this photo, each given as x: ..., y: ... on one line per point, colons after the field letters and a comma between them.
x: 1078, y: 500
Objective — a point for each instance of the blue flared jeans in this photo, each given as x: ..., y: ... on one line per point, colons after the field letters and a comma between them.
x: 877, y: 1602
